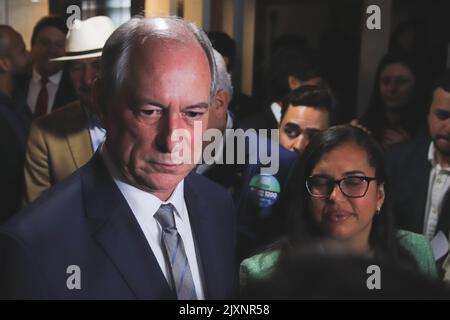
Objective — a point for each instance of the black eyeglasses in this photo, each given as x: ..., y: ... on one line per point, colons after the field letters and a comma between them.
x: 350, y: 186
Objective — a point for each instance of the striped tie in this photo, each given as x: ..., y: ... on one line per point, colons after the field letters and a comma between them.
x: 175, y: 254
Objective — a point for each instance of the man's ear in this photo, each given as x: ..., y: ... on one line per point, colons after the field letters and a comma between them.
x: 221, y: 100
x: 294, y: 83
x: 380, y: 195
x: 5, y: 65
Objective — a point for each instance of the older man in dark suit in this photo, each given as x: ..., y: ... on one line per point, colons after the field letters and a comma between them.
x: 133, y: 223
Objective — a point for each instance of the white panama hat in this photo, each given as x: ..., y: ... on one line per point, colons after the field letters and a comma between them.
x: 87, y: 38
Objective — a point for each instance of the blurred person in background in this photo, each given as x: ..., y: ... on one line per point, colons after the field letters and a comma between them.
x: 14, y: 60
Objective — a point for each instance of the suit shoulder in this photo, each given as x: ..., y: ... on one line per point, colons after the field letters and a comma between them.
x: 406, y: 150
x: 59, y: 117
x: 49, y: 212
x: 401, y: 148
x: 205, y: 185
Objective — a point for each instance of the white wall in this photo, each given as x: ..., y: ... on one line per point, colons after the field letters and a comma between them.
x: 374, y: 44
x: 22, y: 15
x: 3, y: 12
x: 160, y: 7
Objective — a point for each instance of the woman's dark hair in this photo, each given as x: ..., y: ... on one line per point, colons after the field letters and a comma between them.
x: 375, y: 118
x: 319, y: 97
x: 301, y: 227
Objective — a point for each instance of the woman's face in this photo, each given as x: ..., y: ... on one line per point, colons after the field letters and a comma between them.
x: 339, y: 216
x: 397, y: 84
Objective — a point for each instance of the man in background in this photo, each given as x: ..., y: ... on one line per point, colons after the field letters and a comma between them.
x: 14, y: 60
x: 420, y: 174
x: 63, y: 141
x: 305, y: 111
x: 48, y: 87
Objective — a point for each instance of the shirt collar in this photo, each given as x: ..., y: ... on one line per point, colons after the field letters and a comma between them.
x: 432, y: 158
x: 55, y: 78
x: 431, y: 154
x: 276, y: 110
x: 143, y: 201
x: 230, y: 121
x: 93, y: 119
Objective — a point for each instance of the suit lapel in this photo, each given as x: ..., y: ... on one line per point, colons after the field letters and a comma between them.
x: 77, y: 137
x: 419, y: 202
x: 444, y: 217
x: 120, y: 235
x: 423, y: 178
x: 207, y: 241
x: 65, y: 93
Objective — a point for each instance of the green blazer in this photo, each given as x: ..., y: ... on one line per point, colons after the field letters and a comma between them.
x: 259, y: 267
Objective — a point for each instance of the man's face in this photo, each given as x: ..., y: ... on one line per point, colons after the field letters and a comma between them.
x: 166, y: 90
x: 49, y: 44
x: 19, y: 55
x: 299, y: 124
x: 83, y: 74
x: 397, y: 84
x: 439, y: 121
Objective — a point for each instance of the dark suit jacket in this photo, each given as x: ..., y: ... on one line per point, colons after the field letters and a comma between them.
x: 64, y: 95
x: 409, y: 174
x: 260, y: 225
x: 13, y: 137
x: 85, y: 221
x: 257, y: 225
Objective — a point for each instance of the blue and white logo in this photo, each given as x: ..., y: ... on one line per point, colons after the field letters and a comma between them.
x: 264, y: 190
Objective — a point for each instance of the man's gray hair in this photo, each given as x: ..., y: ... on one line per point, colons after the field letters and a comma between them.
x: 223, y: 77
x: 117, y: 50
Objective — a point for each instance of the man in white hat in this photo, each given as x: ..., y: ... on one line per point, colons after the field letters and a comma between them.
x: 63, y: 141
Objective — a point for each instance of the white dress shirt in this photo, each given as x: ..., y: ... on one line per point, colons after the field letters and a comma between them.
x: 438, y: 185
x: 276, y: 110
x: 35, y: 88
x: 98, y: 135
x: 144, y: 206
x: 96, y: 131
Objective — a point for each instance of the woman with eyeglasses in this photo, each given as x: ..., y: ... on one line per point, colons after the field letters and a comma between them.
x: 338, y: 198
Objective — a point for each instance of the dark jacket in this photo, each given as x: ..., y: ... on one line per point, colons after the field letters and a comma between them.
x: 86, y: 221
x: 13, y: 137
x: 409, y: 174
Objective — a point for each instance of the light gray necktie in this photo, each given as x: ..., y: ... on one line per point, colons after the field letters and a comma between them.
x: 175, y: 254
